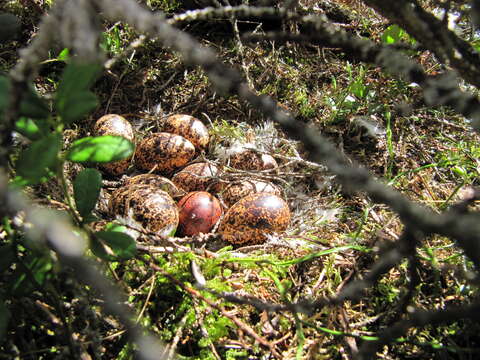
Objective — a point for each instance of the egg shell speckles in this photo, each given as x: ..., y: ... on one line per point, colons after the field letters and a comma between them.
x: 157, y: 181
x: 163, y: 152
x: 151, y: 208
x: 116, y: 168
x: 250, y: 160
x: 236, y: 191
x: 252, y: 218
x: 190, y: 128
x: 199, y: 212
x: 195, y: 177
x: 113, y: 124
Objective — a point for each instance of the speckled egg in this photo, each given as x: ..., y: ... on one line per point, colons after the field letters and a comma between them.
x: 248, y: 159
x: 113, y: 124
x: 195, y: 177
x: 144, y: 205
x: 199, y: 212
x: 163, y: 152
x: 238, y: 190
x: 190, y: 128
x: 157, y: 181
x: 252, y: 218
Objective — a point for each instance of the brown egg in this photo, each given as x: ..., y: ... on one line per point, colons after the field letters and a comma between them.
x: 236, y: 191
x: 190, y: 128
x: 251, y: 219
x: 146, y: 207
x: 113, y: 124
x: 163, y: 152
x: 157, y: 181
x: 195, y: 177
x: 199, y: 212
x: 251, y: 160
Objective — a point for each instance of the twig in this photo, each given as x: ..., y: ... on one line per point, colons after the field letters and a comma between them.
x: 196, y: 294
x: 57, y: 234
x: 419, y: 318
x: 434, y: 34
x: 172, y: 347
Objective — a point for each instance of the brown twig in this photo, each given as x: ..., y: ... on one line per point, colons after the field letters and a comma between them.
x: 196, y: 294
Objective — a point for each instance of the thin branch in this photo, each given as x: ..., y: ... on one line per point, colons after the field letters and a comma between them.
x: 196, y: 294
x: 56, y: 233
x: 434, y: 34
x: 418, y: 319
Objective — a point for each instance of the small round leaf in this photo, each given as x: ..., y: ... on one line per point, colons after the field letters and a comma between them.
x: 100, y: 149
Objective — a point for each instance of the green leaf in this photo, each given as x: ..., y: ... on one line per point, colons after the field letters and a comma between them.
x: 392, y: 34
x: 4, y: 319
x: 73, y: 99
x: 32, y: 129
x: 90, y: 218
x: 28, y: 128
x: 115, y: 227
x: 77, y: 78
x: 64, y: 55
x: 113, y: 246
x: 100, y: 149
x: 78, y: 106
x: 35, y: 162
x: 86, y: 189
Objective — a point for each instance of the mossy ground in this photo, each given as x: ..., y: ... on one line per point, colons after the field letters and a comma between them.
x: 430, y: 155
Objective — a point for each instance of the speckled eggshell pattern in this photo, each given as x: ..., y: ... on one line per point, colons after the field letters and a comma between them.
x: 190, y: 128
x: 252, y: 218
x: 152, y: 208
x: 163, y: 152
x: 199, y: 212
x: 239, y: 190
x: 158, y: 182
x: 116, y: 168
x: 195, y: 177
x: 112, y: 124
x: 251, y: 160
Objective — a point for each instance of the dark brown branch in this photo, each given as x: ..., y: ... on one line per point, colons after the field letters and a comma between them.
x: 434, y: 35
x: 418, y: 319
x: 437, y: 90
x: 57, y: 234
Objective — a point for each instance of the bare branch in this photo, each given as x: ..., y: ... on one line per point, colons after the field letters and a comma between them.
x: 434, y: 35
x: 418, y: 319
x: 58, y: 234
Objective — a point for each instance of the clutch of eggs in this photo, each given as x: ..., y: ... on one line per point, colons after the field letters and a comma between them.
x: 146, y: 200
